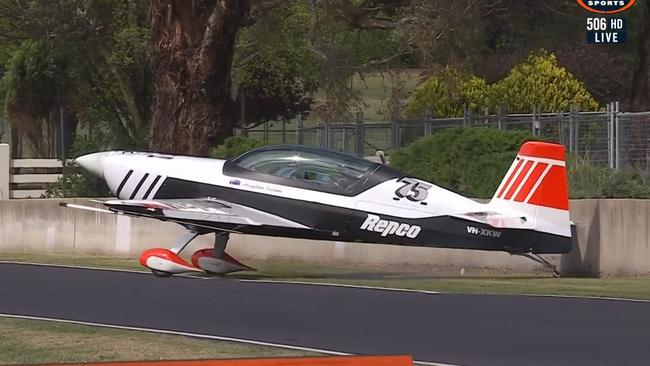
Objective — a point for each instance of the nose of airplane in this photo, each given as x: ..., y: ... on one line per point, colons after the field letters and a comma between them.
x: 94, y: 163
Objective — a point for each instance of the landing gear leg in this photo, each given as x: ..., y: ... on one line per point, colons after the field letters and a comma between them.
x: 216, y: 260
x: 185, y: 239
x: 220, y: 242
x: 539, y: 259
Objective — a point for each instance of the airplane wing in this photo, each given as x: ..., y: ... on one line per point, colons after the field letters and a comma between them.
x: 200, y: 211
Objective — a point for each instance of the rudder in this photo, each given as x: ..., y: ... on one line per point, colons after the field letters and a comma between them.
x: 536, y: 187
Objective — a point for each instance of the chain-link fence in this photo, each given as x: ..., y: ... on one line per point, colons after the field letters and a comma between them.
x: 611, y: 138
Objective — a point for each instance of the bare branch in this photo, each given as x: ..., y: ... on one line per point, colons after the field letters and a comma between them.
x: 360, y: 17
x: 313, y: 24
x: 383, y: 61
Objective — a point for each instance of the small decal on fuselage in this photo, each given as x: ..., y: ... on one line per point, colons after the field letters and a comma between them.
x: 483, y: 232
x: 387, y: 227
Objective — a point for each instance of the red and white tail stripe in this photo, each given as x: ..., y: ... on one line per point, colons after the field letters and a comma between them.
x: 537, y: 177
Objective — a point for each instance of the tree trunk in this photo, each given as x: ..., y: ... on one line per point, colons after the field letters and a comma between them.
x: 640, y: 96
x: 193, y: 49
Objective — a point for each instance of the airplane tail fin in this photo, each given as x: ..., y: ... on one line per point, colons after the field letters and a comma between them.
x: 535, y: 187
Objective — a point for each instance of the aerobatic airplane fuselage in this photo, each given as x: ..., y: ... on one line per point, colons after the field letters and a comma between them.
x: 310, y: 193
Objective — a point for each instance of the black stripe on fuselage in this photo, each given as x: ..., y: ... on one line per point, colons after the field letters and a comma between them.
x: 123, y: 183
x: 146, y: 194
x: 336, y: 223
x: 140, y: 183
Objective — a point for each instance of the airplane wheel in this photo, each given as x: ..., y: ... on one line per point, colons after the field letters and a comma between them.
x: 160, y: 273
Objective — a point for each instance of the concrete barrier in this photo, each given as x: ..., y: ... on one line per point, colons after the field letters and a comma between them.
x: 613, y: 239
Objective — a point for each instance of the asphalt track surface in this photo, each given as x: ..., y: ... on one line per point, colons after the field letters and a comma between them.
x: 457, y: 329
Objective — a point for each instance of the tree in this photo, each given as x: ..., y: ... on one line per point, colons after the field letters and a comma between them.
x: 88, y: 59
x: 195, y: 42
x: 273, y: 70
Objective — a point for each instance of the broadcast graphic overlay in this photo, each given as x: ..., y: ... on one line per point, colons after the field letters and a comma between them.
x: 606, y: 28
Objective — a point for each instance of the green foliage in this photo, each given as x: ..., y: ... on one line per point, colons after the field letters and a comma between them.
x: 590, y: 181
x: 88, y: 56
x: 273, y: 66
x: 447, y: 93
x: 99, y: 131
x: 470, y: 161
x: 234, y: 146
x: 76, y: 181
x: 473, y: 161
x: 539, y: 81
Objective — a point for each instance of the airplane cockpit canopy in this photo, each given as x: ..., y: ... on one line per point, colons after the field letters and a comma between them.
x: 305, y: 167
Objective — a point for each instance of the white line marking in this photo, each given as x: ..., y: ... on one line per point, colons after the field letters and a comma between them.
x: 538, y: 183
x: 334, y: 284
x: 580, y: 297
x: 523, y: 181
x: 198, y: 335
x: 512, y: 177
x: 544, y: 160
x: 181, y: 275
x: 343, y: 285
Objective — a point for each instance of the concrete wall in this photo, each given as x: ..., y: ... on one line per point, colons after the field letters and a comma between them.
x: 613, y: 239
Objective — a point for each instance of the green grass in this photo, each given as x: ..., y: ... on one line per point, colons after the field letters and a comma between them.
x: 32, y: 341
x: 405, y: 277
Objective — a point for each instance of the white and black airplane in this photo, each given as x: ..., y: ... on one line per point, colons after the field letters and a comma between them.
x: 310, y: 193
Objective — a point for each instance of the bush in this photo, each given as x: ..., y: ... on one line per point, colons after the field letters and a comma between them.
x: 470, y: 161
x: 589, y: 181
x: 540, y: 81
x: 234, y: 146
x: 447, y: 94
x: 473, y: 161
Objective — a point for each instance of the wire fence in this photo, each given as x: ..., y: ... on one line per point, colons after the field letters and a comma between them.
x: 610, y: 138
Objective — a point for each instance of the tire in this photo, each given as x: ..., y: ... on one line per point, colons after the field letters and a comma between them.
x: 160, y: 273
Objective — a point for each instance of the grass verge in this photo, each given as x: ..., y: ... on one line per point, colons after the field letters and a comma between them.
x: 25, y: 341
x: 536, y: 283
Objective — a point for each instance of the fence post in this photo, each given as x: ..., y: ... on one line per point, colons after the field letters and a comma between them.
x: 571, y: 133
x: 610, y: 135
x: 320, y: 133
x: 359, y: 134
x: 300, y: 138
x: 284, y: 131
x: 394, y: 129
x: 266, y: 131
x: 327, y: 135
x: 428, y: 117
x: 501, y: 116
x: 535, y: 122
x: 467, y: 122
x: 4, y: 171
x: 560, y: 123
